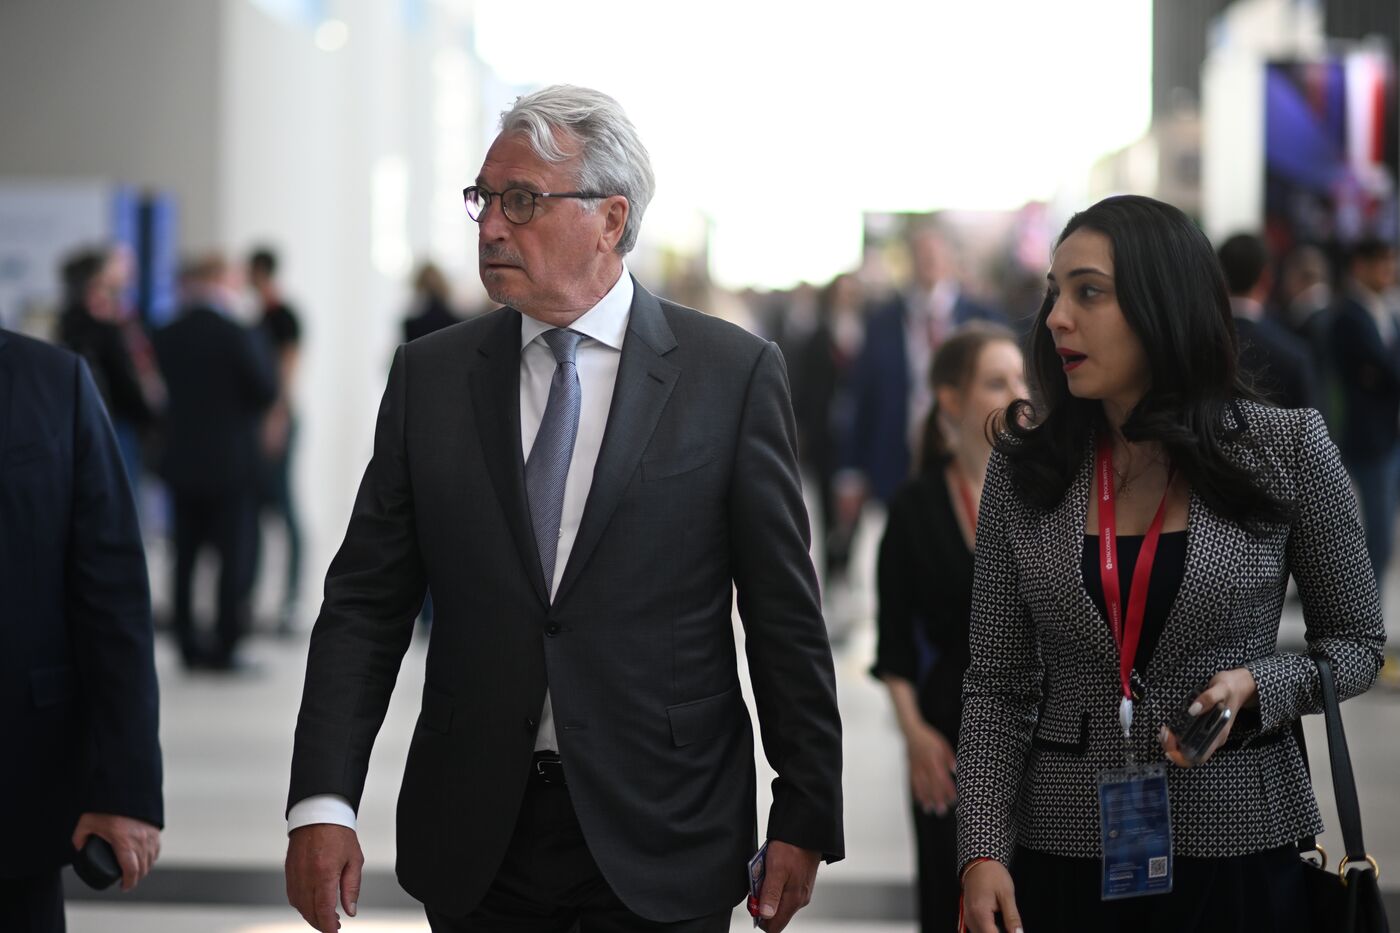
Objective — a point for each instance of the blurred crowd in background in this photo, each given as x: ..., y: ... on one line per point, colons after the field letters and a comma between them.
x: 205, y: 414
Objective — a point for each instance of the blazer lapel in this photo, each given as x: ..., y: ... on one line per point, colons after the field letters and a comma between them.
x: 1195, y: 614
x: 496, y: 402
x: 1066, y: 524
x: 645, y: 380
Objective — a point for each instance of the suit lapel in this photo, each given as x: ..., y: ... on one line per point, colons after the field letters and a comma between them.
x: 645, y: 380
x: 7, y: 396
x: 496, y: 402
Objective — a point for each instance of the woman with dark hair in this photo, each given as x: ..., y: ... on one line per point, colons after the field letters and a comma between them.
x: 925, y: 590
x: 1140, y: 520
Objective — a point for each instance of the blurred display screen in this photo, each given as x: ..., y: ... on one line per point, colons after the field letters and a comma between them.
x: 1330, y: 151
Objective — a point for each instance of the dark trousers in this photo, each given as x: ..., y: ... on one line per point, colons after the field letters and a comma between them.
x: 1263, y: 892
x: 32, y: 905
x: 275, y: 492
x: 227, y: 522
x: 549, y: 882
x: 936, y: 842
x: 1378, y: 486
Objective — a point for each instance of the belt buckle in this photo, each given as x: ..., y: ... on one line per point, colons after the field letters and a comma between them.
x: 550, y: 770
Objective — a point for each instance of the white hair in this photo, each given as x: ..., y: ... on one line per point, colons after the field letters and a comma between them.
x: 612, y: 159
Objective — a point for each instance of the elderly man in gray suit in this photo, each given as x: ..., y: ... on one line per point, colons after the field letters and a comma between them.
x: 583, y: 478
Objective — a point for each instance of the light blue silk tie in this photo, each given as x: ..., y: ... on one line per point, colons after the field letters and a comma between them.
x: 548, y: 465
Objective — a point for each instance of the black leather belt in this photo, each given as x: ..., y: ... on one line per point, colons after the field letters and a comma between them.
x: 548, y: 769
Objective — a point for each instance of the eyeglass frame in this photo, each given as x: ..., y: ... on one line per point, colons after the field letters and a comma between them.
x: 489, y: 195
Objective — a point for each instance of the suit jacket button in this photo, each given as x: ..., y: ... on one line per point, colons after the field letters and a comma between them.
x: 530, y: 724
x: 552, y: 629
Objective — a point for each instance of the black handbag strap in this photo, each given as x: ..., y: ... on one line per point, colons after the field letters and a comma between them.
x: 1343, y: 780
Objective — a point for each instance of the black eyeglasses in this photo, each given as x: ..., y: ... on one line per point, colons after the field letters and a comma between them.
x: 517, y: 204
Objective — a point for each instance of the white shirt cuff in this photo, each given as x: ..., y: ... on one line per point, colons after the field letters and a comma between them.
x: 321, y: 808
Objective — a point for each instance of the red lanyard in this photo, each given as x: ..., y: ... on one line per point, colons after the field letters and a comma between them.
x: 1127, y: 630
x: 969, y: 504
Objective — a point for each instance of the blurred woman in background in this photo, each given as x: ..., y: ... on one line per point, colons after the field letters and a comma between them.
x: 925, y: 590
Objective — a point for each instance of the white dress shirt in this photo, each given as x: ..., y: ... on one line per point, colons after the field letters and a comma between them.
x: 930, y: 312
x: 604, y: 326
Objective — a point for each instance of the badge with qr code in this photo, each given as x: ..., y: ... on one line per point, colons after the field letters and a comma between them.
x: 1135, y: 827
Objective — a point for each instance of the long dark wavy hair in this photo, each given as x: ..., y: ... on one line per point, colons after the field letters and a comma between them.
x: 1172, y: 294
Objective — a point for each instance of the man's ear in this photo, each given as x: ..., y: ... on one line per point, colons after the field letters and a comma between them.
x: 615, y: 213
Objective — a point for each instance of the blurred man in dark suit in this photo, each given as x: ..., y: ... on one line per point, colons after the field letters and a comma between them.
x: 78, y: 698
x: 1274, y: 361
x: 220, y: 379
x: 889, y: 382
x: 1366, y: 346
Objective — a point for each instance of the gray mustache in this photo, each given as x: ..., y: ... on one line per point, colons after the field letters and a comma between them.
x: 495, y: 253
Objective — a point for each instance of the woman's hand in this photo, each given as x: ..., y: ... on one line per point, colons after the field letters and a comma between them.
x: 1235, y: 690
x: 987, y: 891
x: 932, y: 765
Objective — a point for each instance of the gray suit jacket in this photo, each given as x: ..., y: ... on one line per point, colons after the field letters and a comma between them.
x: 1040, y: 714
x: 695, y: 493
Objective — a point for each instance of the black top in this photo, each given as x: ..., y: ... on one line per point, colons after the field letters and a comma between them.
x: 280, y: 326
x: 925, y: 590
x: 104, y: 347
x: 1167, y: 572
x: 433, y: 316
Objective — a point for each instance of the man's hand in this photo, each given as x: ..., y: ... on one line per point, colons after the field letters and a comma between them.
x: 790, y: 875
x: 987, y: 891
x: 136, y: 843
x: 932, y: 765
x: 323, y: 860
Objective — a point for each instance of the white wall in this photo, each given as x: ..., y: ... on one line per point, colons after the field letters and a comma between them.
x: 347, y: 161
x: 120, y: 90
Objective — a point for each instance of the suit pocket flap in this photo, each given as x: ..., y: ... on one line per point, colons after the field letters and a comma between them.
x: 702, y: 719
x: 24, y: 453
x: 51, y: 685
x: 686, y: 461
x: 1066, y: 733
x: 437, y: 711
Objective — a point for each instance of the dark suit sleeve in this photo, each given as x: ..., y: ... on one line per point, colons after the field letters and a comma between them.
x: 789, y: 655
x: 108, y: 604
x: 258, y: 368
x: 373, y: 590
x: 1361, y: 354
x: 1306, y: 388
x: 895, y: 654
x: 859, y: 437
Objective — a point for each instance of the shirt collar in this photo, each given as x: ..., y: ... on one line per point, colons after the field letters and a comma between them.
x: 605, y: 322
x: 1246, y: 307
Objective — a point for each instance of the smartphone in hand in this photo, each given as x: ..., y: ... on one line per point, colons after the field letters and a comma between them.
x: 1195, y: 734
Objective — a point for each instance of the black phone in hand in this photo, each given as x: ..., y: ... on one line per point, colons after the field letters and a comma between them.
x: 1194, y: 734
x: 96, y: 863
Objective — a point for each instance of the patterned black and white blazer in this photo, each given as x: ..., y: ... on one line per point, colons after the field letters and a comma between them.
x: 1040, y: 714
